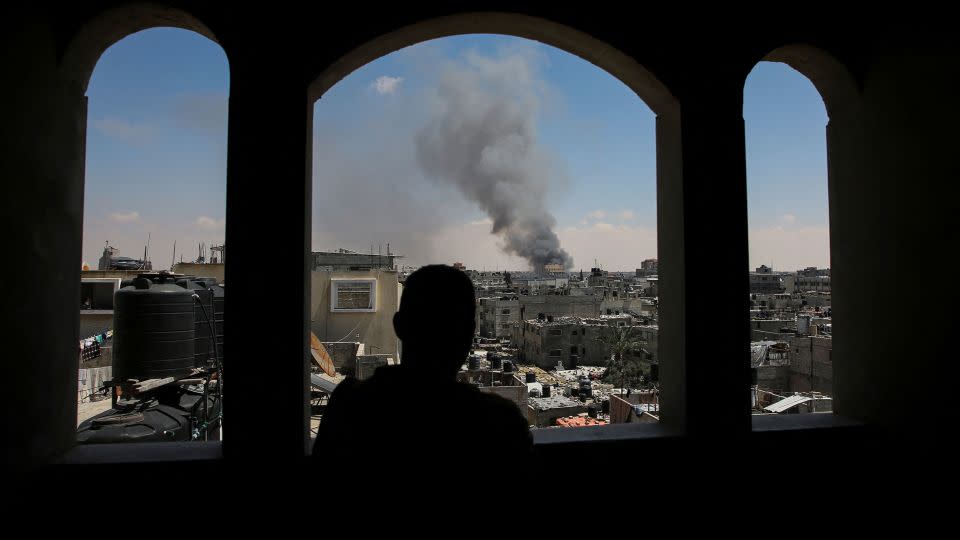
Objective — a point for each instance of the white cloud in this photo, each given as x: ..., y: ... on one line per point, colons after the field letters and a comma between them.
x: 789, y: 218
x: 627, y: 215
x: 123, y: 130
x: 209, y: 223
x: 386, y: 85
x: 125, y: 217
x: 597, y: 214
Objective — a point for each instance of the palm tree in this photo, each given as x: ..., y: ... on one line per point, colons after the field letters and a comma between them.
x: 622, y: 340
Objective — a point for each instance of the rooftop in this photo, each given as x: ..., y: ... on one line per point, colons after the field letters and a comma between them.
x: 552, y: 402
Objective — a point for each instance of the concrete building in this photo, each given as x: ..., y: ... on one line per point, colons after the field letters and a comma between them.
x: 344, y: 260
x: 574, y: 341
x: 647, y: 268
x: 96, y: 304
x: 368, y: 363
x: 214, y: 270
x: 812, y: 279
x: 543, y: 411
x: 110, y: 260
x: 554, y: 268
x: 765, y: 281
x: 356, y: 306
x: 500, y: 383
x: 638, y: 407
x: 534, y: 285
x: 811, y: 366
x: 495, y: 316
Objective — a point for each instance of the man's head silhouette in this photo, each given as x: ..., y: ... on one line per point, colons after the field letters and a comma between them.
x: 435, y: 321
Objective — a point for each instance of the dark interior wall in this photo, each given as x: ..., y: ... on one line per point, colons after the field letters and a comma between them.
x: 891, y: 162
x: 41, y: 219
x: 898, y: 216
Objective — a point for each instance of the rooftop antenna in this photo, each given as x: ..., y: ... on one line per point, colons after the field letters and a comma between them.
x: 173, y: 259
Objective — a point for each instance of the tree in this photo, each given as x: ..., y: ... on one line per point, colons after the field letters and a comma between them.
x: 623, y: 340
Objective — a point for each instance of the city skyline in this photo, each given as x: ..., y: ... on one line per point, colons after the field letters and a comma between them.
x: 157, y: 157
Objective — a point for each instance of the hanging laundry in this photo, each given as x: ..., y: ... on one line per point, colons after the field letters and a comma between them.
x: 90, y: 352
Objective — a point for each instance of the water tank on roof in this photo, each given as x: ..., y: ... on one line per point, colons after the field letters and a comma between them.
x: 507, y: 366
x: 212, y: 296
x: 473, y: 363
x: 545, y: 391
x: 586, y: 388
x: 154, y: 330
x: 202, y: 344
x: 496, y: 362
x: 531, y: 377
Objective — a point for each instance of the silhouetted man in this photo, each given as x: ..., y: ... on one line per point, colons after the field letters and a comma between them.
x: 415, y: 418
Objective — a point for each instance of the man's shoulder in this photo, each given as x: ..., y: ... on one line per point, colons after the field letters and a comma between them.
x: 493, y: 405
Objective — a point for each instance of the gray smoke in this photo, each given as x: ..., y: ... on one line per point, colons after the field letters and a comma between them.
x: 482, y: 138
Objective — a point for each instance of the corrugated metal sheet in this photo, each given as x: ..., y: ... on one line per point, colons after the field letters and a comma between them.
x: 326, y: 385
x: 787, y: 403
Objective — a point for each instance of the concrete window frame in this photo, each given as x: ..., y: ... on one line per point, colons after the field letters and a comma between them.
x: 686, y: 187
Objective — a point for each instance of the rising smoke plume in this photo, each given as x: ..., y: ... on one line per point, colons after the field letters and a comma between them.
x: 482, y: 138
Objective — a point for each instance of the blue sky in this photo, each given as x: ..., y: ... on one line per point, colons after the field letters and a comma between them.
x: 156, y: 156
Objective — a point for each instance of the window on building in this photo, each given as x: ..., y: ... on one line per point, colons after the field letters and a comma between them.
x: 555, y: 352
x: 505, y: 311
x: 353, y: 295
x: 555, y: 332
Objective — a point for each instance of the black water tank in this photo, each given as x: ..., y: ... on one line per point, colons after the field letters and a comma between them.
x: 545, y: 392
x: 496, y: 361
x: 153, y: 331
x: 507, y: 366
x: 212, y: 296
x: 531, y: 377
x: 219, y: 304
x: 148, y: 422
x: 202, y: 344
x: 473, y: 363
x: 586, y: 388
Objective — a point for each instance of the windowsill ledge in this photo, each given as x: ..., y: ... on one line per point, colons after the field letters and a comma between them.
x: 156, y: 452
x: 763, y: 423
x: 608, y: 433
